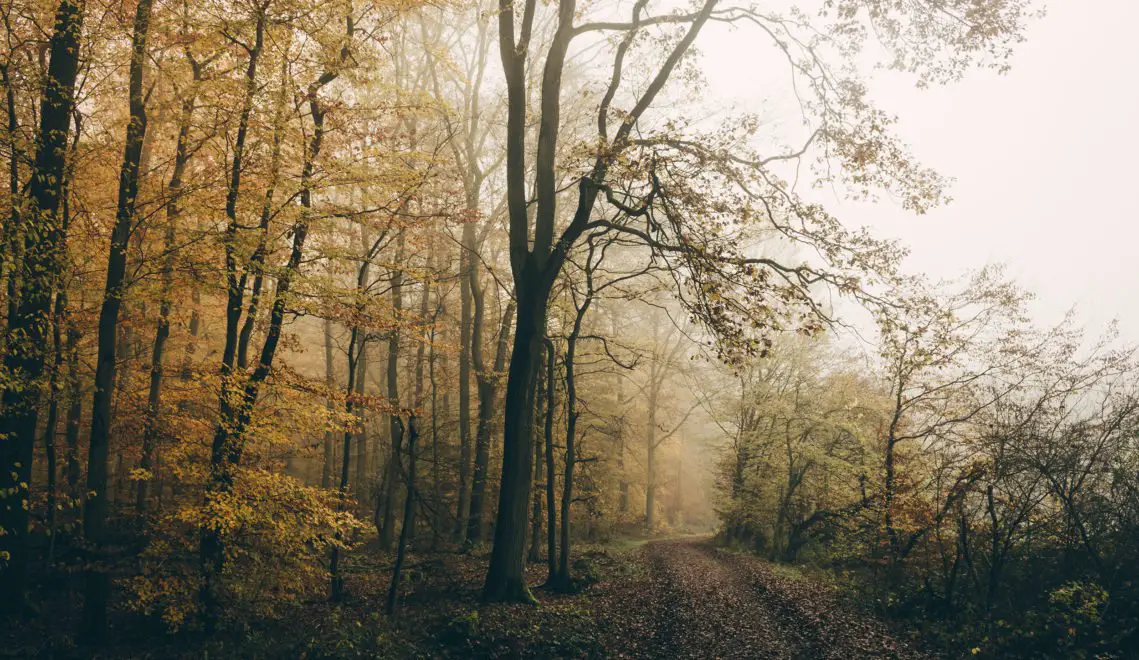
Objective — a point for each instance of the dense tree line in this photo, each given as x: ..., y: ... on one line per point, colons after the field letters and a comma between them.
x: 979, y: 474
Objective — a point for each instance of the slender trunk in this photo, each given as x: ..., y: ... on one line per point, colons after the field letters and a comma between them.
x: 95, y: 512
x: 24, y: 359
x: 355, y: 346
x: 408, y: 514
x: 387, y: 529
x: 564, y: 580
x: 651, y: 447
x: 362, y: 458
x: 74, y: 409
x: 889, y: 488
x: 420, y: 363
x: 187, y: 370
x: 436, y: 485
x: 59, y: 318
x: 487, y: 389
x: 154, y: 396
x: 551, y: 488
x: 465, y: 321
x: 330, y: 383
x: 234, y: 417
x: 162, y: 330
x: 623, y: 478
x: 256, y: 264
x: 11, y: 230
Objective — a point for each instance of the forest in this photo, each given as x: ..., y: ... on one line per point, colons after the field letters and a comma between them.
x: 474, y: 329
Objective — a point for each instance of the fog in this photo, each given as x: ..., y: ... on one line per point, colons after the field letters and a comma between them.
x: 1043, y: 157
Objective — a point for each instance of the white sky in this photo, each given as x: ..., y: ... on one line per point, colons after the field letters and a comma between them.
x: 1044, y: 157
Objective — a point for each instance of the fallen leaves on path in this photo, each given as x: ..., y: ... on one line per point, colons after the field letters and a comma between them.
x: 691, y: 600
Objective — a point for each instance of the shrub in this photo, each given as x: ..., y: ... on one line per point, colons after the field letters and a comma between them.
x: 277, y: 535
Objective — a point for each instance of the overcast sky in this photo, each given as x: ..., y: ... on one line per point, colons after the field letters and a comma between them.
x: 1044, y: 157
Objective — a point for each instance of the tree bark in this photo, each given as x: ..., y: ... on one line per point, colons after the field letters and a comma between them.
x: 551, y: 488
x: 162, y: 329
x: 505, y: 580
x: 535, y: 554
x: 465, y: 321
x: 488, y: 390
x: 52, y: 425
x: 24, y: 359
x: 651, y: 448
x: 95, y: 511
x: 330, y: 383
x: 408, y: 514
x: 387, y: 530
x: 355, y: 347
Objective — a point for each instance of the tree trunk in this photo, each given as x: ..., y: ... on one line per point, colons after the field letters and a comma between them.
x: 330, y: 383
x: 420, y: 363
x: 95, y: 511
x: 487, y: 389
x: 58, y: 319
x: 391, y: 490
x: 362, y: 458
x: 24, y: 359
x: 187, y: 370
x: 651, y: 447
x: 535, y: 554
x: 551, y: 488
x: 436, y: 457
x: 505, y: 580
x: 465, y: 265
x: 162, y: 331
x: 408, y: 514
x: 564, y: 581
x: 355, y: 346
x: 74, y: 409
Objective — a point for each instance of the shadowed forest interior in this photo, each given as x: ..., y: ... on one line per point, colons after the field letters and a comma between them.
x: 482, y: 328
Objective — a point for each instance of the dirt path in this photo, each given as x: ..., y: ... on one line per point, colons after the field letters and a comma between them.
x: 694, y: 601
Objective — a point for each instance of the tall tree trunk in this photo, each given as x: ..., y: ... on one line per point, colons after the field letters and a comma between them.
x: 95, y: 511
x: 535, y: 263
x: 466, y: 259
x: 420, y: 363
x: 535, y: 554
x: 355, y: 347
x: 59, y: 318
x: 551, y: 486
x: 651, y: 449
x: 12, y: 238
x: 24, y: 359
x: 50, y: 428
x: 162, y: 329
x: 408, y: 514
x: 436, y: 457
x: 564, y: 581
x: 330, y: 383
x: 74, y: 409
x: 487, y: 389
x: 505, y: 580
x: 362, y: 458
x: 256, y: 264
x: 394, y: 462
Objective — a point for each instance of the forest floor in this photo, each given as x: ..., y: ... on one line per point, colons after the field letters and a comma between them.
x: 694, y: 600
x: 676, y: 598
